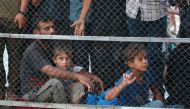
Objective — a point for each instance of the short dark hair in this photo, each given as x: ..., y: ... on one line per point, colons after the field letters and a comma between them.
x: 40, y: 18
x: 62, y: 48
x: 133, y: 50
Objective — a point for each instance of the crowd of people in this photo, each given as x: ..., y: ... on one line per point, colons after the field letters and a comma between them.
x: 55, y: 71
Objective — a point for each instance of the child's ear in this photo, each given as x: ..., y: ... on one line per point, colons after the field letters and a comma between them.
x: 130, y: 64
x: 54, y: 60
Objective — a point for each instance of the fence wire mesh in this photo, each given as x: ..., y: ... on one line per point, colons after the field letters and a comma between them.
x: 33, y: 73
x: 168, y: 66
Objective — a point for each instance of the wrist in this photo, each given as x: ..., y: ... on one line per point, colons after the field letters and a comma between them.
x: 23, y: 13
x: 122, y: 85
x: 81, y: 19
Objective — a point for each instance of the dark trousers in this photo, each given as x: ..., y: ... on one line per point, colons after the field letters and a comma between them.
x: 184, y: 31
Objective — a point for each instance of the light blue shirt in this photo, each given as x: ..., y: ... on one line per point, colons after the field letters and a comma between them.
x: 75, y: 10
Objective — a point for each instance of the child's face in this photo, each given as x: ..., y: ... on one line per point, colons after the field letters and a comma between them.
x: 139, y: 64
x: 62, y: 60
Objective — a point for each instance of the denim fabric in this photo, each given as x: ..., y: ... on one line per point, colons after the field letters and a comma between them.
x: 75, y: 9
x: 100, y: 99
x: 175, y: 106
x: 154, y: 104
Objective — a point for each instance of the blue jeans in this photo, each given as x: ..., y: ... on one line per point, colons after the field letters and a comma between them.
x: 157, y: 28
x: 175, y: 106
x: 154, y: 104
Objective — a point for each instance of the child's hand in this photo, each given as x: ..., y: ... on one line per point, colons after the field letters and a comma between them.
x: 128, y: 79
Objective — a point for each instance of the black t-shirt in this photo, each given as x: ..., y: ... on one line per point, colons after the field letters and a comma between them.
x: 34, y: 59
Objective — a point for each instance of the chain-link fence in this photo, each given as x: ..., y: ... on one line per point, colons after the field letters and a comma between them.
x: 105, y: 57
x: 42, y: 70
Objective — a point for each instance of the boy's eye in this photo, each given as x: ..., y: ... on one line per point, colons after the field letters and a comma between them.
x: 141, y: 58
x: 48, y: 28
x: 63, y: 58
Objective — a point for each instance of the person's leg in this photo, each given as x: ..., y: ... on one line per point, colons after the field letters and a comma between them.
x: 154, y: 104
x: 76, y: 91
x: 175, y: 106
x: 52, y: 90
x: 184, y: 22
x: 136, y: 27
x: 154, y: 50
x: 15, y: 52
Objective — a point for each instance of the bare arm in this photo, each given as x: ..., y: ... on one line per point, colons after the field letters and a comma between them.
x: 85, y: 9
x: 57, y: 72
x: 24, y: 5
x: 79, y: 25
x: 114, y: 92
x: 127, y: 80
x: 20, y: 18
x: 64, y: 74
x: 156, y: 93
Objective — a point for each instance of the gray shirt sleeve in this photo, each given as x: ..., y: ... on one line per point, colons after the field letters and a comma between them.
x: 37, y: 60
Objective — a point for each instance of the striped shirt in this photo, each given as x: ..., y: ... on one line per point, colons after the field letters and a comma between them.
x: 150, y: 9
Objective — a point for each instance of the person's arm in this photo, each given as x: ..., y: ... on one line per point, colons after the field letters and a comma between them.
x: 85, y: 9
x: 156, y: 93
x: 96, y: 81
x: 127, y: 80
x: 20, y: 18
x: 79, y: 25
x: 57, y: 72
x: 83, y: 77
